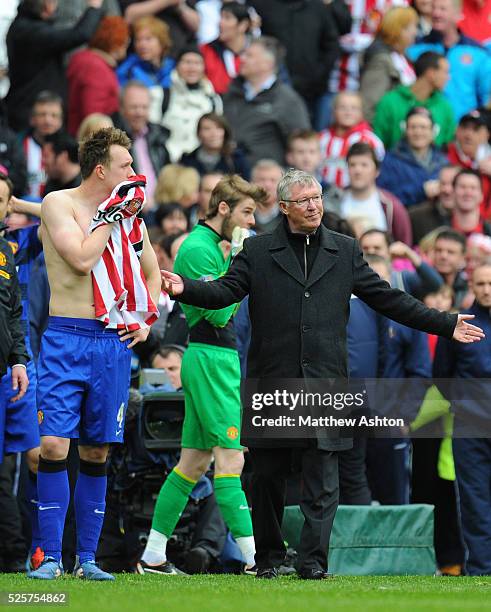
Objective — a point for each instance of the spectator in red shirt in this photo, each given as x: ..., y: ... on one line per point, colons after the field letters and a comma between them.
x: 222, y: 56
x: 466, y: 216
x: 92, y: 83
x: 471, y: 150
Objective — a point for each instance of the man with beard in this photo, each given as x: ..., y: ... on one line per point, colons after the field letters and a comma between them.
x: 211, y: 381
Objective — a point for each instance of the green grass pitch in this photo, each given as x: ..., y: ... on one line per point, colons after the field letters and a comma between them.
x: 247, y: 594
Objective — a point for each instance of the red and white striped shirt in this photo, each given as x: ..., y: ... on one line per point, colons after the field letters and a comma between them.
x: 333, y: 168
x: 121, y: 296
x: 366, y: 17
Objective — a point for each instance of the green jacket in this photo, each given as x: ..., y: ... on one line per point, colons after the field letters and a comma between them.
x: 201, y: 258
x: 393, y: 107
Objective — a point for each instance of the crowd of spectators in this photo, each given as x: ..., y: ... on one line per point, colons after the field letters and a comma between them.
x: 387, y: 103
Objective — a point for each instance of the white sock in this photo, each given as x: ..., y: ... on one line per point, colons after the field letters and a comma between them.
x: 247, y: 548
x: 154, y: 553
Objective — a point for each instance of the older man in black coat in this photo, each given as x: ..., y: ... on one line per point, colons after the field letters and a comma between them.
x: 299, y: 279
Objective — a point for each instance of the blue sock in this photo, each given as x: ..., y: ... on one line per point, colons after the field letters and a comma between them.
x: 90, y: 504
x: 32, y: 505
x: 53, y: 497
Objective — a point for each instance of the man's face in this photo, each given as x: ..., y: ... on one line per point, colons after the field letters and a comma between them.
x: 444, y: 15
x: 481, y: 285
x: 375, y: 244
x: 135, y: 108
x: 241, y: 216
x: 49, y: 160
x: 470, y: 136
x: 468, y: 193
x: 348, y: 111
x: 230, y: 28
x: 362, y: 172
x: 172, y: 365
x: 46, y: 118
x: 191, y: 68
x: 306, y: 215
x: 207, y: 185
x: 440, y: 76
x: 304, y: 154
x: 268, y: 179
x: 419, y: 132
x: 4, y: 199
x: 446, y: 197
x: 448, y: 256
x: 256, y: 61
x: 119, y: 168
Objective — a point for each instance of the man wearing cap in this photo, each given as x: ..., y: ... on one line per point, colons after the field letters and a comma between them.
x: 471, y: 150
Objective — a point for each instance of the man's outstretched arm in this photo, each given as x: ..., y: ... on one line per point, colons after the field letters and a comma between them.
x: 403, y: 308
x: 213, y: 295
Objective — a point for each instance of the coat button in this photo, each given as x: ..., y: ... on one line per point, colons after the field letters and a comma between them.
x: 305, y: 363
x: 307, y: 294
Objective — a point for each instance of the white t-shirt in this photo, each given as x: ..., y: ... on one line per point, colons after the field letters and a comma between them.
x: 369, y: 210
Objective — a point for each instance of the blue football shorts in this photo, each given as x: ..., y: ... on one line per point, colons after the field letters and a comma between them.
x: 83, y: 381
x: 19, y: 429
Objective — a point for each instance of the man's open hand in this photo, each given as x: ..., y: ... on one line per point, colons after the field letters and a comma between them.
x: 139, y: 335
x: 171, y: 283
x: 465, y: 332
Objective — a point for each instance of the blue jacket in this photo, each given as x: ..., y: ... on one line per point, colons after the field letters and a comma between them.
x: 469, y: 363
x: 134, y: 68
x: 403, y: 174
x: 365, y: 334
x: 469, y: 85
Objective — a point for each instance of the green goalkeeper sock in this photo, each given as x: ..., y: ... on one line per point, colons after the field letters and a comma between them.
x: 171, y: 501
x: 232, y: 502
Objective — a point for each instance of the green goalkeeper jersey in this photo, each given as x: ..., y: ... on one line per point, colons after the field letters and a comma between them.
x: 201, y: 258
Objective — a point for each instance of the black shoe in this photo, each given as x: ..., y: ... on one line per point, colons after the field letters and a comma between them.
x: 267, y: 572
x: 164, y: 569
x: 198, y: 561
x: 314, y: 574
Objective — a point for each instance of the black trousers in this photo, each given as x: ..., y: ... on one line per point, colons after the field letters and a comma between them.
x: 12, y: 542
x: 319, y: 500
x: 353, y: 482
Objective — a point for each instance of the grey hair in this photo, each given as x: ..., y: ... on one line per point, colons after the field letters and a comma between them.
x: 294, y: 177
x: 266, y: 164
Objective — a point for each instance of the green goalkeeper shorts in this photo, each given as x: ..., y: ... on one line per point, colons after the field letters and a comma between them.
x: 211, y: 381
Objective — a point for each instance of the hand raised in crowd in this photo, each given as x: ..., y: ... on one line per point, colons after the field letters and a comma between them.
x: 94, y: 3
x: 465, y: 332
x: 485, y: 166
x: 402, y: 250
x: 171, y: 283
x: 20, y: 382
x: 432, y: 189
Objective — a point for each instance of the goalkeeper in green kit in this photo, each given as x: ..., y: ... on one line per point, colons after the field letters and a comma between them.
x: 211, y: 382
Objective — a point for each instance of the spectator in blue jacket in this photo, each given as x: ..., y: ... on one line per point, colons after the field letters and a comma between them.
x: 469, y: 85
x: 150, y: 63
x: 410, y: 171
x: 472, y: 456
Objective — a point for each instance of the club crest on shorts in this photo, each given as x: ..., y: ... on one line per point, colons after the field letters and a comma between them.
x: 40, y: 416
x: 232, y: 433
